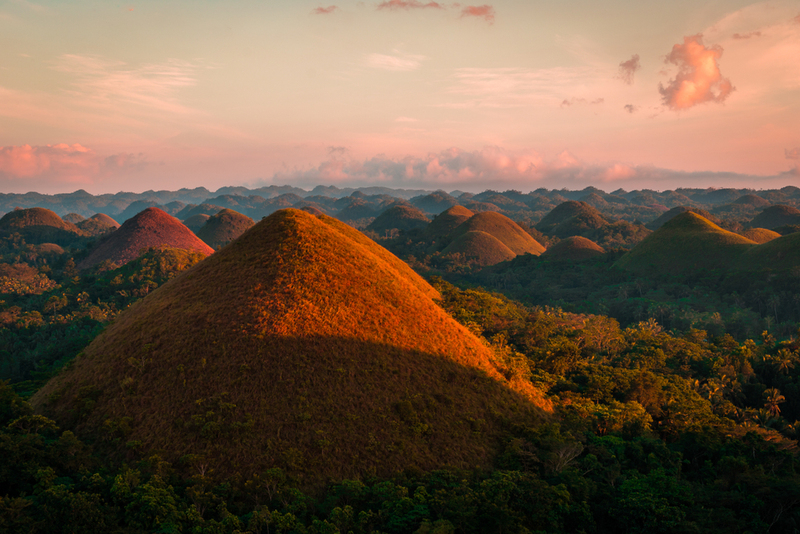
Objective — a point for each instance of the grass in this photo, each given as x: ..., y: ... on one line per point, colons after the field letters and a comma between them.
x: 760, y: 235
x: 40, y: 225
x: 503, y: 229
x: 400, y: 217
x: 570, y: 218
x: 780, y: 254
x: 301, y: 345
x: 224, y: 227
x: 483, y: 247
x: 443, y: 224
x: 151, y: 228
x: 688, y: 242
x: 776, y: 216
x: 574, y: 248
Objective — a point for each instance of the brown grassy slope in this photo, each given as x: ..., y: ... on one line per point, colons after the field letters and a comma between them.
x: 674, y: 212
x: 504, y: 229
x: 195, y: 222
x: 686, y: 243
x: 39, y: 225
x: 151, y: 228
x: 447, y: 221
x: 571, y: 218
x: 760, y: 235
x: 98, y: 224
x: 575, y: 248
x: 299, y: 346
x: 401, y: 217
x: 480, y: 246
x: 778, y: 254
x: 776, y: 216
x: 224, y: 227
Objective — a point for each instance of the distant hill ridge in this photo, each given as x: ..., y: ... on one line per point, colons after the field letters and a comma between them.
x: 301, y: 345
x: 150, y: 228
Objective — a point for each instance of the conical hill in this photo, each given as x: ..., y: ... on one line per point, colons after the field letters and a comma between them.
x: 302, y: 345
x: 503, y: 229
x: 575, y: 248
x: 776, y: 216
x: 484, y: 248
x: 571, y: 218
x: 674, y: 212
x: 400, y: 217
x: 760, y: 235
x: 39, y: 225
x: 686, y: 243
x: 447, y: 221
x: 98, y: 224
x: 780, y: 254
x: 149, y: 228
x: 224, y: 227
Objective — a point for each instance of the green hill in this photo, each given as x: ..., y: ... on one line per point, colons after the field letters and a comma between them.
x: 401, y: 217
x: 780, y: 254
x: 689, y: 242
x: 575, y: 248
x: 224, y: 227
x: 776, y: 216
x: 571, y: 218
x: 503, y: 229
x: 39, y: 225
x: 674, y: 212
x: 301, y: 345
x: 196, y: 222
x: 480, y: 246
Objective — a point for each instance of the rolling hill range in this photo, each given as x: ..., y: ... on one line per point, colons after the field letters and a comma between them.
x: 571, y: 218
x: 39, y: 225
x: 224, y: 227
x: 484, y: 248
x: 151, y: 228
x: 301, y: 345
x: 776, y: 216
x: 687, y: 243
x: 401, y: 217
x: 443, y: 224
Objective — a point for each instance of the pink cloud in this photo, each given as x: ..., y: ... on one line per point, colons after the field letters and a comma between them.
x: 740, y: 36
x: 796, y: 19
x: 699, y: 79
x: 63, y: 163
x: 394, y: 5
x: 793, y: 153
x: 484, y: 12
x: 324, y: 10
x: 628, y: 68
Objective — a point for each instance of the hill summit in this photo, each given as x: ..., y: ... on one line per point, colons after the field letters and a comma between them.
x: 151, y: 228
x: 39, y: 225
x: 302, y: 345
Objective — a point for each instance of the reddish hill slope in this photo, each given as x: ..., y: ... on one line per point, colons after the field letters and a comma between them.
x: 503, y: 229
x: 301, y: 345
x: 149, y: 228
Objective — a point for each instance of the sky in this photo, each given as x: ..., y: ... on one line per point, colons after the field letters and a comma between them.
x: 111, y: 95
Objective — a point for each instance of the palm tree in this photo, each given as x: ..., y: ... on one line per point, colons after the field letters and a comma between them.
x: 784, y: 362
x: 772, y: 398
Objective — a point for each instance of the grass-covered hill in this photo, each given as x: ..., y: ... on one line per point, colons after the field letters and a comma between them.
x: 224, y: 227
x: 447, y: 221
x: 73, y: 218
x: 503, y: 229
x: 780, y: 254
x: 674, y: 212
x: 434, y: 203
x: 760, y: 235
x: 400, y: 217
x: 195, y: 222
x: 776, y: 216
x: 483, y: 248
x: 151, y: 228
x: 687, y: 243
x: 97, y: 225
x: 302, y: 345
x: 575, y: 248
x: 39, y: 225
x: 571, y: 218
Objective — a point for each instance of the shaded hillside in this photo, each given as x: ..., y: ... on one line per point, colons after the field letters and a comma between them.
x: 98, y: 224
x: 447, y: 221
x: 73, y: 218
x: 400, y: 217
x: 776, y: 216
x: 152, y: 228
x: 688, y: 242
x: 760, y: 235
x: 39, y: 225
x: 434, y: 203
x: 502, y: 228
x: 196, y: 222
x: 302, y: 345
x: 483, y: 248
x: 224, y: 227
x: 571, y: 218
x: 575, y: 248
x: 779, y: 254
x: 677, y: 210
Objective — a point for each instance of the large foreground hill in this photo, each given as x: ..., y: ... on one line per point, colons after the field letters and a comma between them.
x: 302, y: 345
